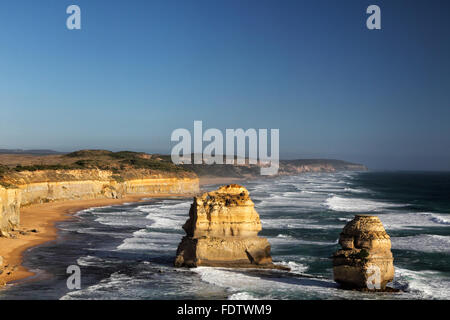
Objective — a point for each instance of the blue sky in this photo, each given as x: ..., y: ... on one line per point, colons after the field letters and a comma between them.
x: 140, y: 69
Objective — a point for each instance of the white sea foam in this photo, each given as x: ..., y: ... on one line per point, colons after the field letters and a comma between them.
x: 338, y: 203
x: 86, y: 261
x: 424, y: 284
x: 288, y: 240
x: 352, y: 190
x: 242, y: 296
x: 294, y: 224
x: 170, y: 215
x: 439, y: 219
x: 117, y: 283
x: 411, y: 220
x: 295, y: 267
x: 237, y: 281
x: 144, y: 240
x: 116, y: 221
x: 284, y: 236
x: 423, y: 243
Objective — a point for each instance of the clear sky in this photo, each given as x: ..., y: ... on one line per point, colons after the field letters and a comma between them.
x: 137, y: 70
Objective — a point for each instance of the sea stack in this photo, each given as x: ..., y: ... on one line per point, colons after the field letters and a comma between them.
x: 365, y: 261
x: 222, y: 231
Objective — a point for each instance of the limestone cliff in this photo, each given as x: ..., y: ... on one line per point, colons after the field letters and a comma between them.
x: 9, y: 209
x: 31, y: 187
x: 365, y: 258
x: 222, y: 230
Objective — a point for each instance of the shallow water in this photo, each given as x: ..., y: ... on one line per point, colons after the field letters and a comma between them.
x: 127, y: 251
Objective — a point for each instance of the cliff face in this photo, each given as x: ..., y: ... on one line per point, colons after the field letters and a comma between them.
x: 9, y: 209
x: 26, y: 188
x: 365, y: 260
x: 222, y: 230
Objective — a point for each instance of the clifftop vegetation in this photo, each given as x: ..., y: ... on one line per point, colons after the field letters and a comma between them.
x: 120, y: 163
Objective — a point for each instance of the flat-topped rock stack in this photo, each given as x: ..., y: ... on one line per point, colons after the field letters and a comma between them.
x: 222, y: 231
x: 365, y: 260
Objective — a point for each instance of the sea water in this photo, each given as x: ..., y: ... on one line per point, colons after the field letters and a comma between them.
x: 127, y: 251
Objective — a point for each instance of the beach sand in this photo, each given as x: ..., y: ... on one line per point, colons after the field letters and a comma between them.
x: 37, y: 226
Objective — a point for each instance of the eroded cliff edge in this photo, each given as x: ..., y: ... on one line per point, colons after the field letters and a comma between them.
x: 31, y: 187
x: 85, y: 175
x: 222, y: 231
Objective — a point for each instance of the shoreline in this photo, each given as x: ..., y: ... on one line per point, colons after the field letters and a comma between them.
x: 38, y: 226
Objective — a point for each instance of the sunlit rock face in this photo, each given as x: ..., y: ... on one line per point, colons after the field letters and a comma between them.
x: 365, y: 260
x: 222, y: 230
x: 33, y: 187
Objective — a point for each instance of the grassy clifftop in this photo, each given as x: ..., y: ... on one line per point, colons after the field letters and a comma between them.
x: 123, y: 165
x: 127, y: 165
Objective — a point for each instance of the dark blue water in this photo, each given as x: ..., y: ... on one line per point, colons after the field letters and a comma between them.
x: 127, y: 251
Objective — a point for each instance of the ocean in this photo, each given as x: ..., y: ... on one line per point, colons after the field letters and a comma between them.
x: 127, y: 251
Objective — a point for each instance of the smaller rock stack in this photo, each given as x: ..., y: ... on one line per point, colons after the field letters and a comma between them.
x: 222, y: 231
x: 365, y: 261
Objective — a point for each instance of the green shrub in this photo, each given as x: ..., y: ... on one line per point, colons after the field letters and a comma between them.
x: 20, y: 168
x: 118, y: 178
x: 362, y: 255
x: 7, y: 185
x: 88, y: 153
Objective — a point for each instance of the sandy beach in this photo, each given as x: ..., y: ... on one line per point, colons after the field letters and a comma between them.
x: 37, y: 226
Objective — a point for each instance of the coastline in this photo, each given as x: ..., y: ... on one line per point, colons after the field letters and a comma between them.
x: 42, y: 218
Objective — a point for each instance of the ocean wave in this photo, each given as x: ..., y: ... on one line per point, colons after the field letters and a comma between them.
x: 284, y: 236
x: 171, y: 214
x: 439, y: 219
x: 117, y: 221
x: 337, y: 203
x: 425, y: 284
x: 423, y: 243
x: 282, y: 239
x: 116, y: 284
x: 143, y: 240
x: 295, y: 224
x: 352, y: 190
x: 242, y: 296
x: 295, y: 267
x: 412, y: 220
x: 238, y: 281
x: 89, y: 261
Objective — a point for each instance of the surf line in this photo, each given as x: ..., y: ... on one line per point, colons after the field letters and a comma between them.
x: 201, y: 311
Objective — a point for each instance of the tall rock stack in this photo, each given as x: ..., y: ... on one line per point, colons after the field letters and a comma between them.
x: 222, y: 231
x: 365, y: 260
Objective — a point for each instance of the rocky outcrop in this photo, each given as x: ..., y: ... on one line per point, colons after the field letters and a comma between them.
x: 222, y: 231
x: 26, y: 188
x: 365, y: 260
